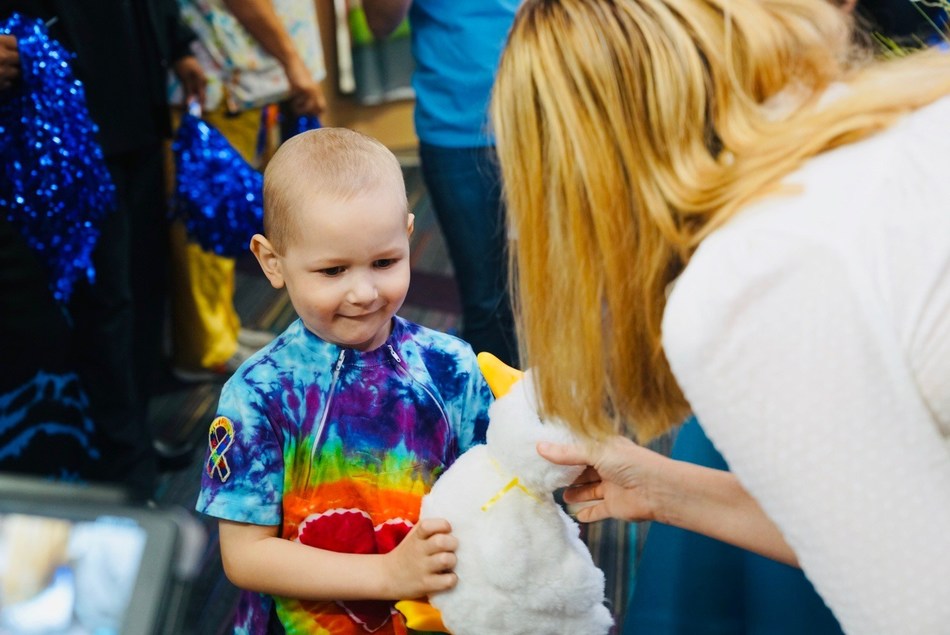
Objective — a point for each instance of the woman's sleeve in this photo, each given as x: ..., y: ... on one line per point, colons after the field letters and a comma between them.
x: 787, y: 357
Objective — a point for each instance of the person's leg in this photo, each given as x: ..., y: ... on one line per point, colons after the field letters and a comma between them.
x: 465, y: 189
x: 46, y: 429
x: 148, y: 263
x: 34, y: 328
x: 205, y: 324
x: 103, y: 343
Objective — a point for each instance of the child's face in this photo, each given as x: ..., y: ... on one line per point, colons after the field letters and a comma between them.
x: 347, y: 267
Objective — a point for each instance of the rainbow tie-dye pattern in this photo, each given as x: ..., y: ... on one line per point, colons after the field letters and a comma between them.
x: 338, y: 447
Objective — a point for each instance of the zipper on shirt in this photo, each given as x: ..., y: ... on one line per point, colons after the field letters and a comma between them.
x: 326, y: 408
x: 405, y: 369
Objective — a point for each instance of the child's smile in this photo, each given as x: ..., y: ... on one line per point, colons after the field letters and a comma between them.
x: 347, y: 272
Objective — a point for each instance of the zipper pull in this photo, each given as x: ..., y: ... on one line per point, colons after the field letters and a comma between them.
x: 392, y: 352
x: 339, y: 361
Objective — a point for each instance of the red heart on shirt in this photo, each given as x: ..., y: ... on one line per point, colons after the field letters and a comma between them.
x: 352, y: 531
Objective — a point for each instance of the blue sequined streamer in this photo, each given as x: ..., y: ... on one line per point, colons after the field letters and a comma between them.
x: 218, y: 195
x: 301, y: 123
x: 55, y: 188
x: 306, y: 122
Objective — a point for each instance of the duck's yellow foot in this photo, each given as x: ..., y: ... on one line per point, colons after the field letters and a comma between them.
x: 421, y: 616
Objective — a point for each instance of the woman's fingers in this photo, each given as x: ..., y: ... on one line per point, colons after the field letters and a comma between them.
x: 563, y: 454
x: 584, y: 492
x: 589, y: 512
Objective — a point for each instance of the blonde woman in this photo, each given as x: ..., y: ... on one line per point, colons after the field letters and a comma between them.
x: 719, y: 207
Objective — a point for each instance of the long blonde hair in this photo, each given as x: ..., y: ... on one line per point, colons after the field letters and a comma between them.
x: 627, y: 131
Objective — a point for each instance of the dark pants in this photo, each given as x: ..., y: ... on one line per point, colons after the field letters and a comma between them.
x: 45, y: 427
x: 34, y: 329
x: 465, y: 189
x: 119, y: 318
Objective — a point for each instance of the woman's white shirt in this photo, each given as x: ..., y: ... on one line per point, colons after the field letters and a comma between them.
x: 811, y: 336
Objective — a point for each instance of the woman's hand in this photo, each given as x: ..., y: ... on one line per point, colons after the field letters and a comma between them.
x: 617, y: 482
x: 629, y: 482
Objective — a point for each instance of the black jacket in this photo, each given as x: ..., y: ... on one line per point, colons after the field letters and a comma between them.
x: 123, y: 50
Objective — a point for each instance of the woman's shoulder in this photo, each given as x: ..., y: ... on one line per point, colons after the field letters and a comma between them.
x: 858, y: 207
x: 868, y: 220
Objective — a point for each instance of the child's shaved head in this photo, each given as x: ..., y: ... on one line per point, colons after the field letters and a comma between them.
x: 335, y: 163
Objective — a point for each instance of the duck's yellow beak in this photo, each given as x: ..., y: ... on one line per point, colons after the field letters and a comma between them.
x: 499, y: 375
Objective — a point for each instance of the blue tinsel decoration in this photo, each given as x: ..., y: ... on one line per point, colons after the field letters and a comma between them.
x: 55, y: 188
x: 307, y: 122
x: 218, y: 195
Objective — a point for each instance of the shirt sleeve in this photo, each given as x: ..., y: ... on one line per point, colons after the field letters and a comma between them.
x: 785, y: 354
x: 242, y: 476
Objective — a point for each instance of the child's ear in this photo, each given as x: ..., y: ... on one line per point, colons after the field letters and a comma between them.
x: 411, y: 224
x: 267, y: 258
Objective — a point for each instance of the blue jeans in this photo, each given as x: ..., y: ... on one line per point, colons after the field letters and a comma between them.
x: 465, y: 188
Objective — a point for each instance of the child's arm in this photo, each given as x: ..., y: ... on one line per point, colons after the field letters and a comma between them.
x: 256, y: 559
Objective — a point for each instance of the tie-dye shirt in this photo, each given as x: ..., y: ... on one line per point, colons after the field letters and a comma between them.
x: 338, y: 447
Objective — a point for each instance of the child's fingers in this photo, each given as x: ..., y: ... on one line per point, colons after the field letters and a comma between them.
x: 440, y: 543
x: 442, y: 581
x: 431, y: 526
x: 442, y: 562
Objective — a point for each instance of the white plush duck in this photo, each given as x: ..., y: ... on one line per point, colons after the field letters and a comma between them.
x: 522, y: 567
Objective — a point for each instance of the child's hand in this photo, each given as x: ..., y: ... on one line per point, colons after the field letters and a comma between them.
x: 422, y: 563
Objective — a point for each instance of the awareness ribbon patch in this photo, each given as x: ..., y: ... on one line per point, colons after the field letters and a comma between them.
x: 220, y: 438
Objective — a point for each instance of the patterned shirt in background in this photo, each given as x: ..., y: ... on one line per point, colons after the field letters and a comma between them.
x: 238, y: 69
x: 338, y: 447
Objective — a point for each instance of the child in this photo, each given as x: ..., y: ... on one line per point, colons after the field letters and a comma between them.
x: 326, y: 440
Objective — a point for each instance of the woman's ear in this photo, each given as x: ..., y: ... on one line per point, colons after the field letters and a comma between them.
x: 268, y: 259
x: 411, y: 224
